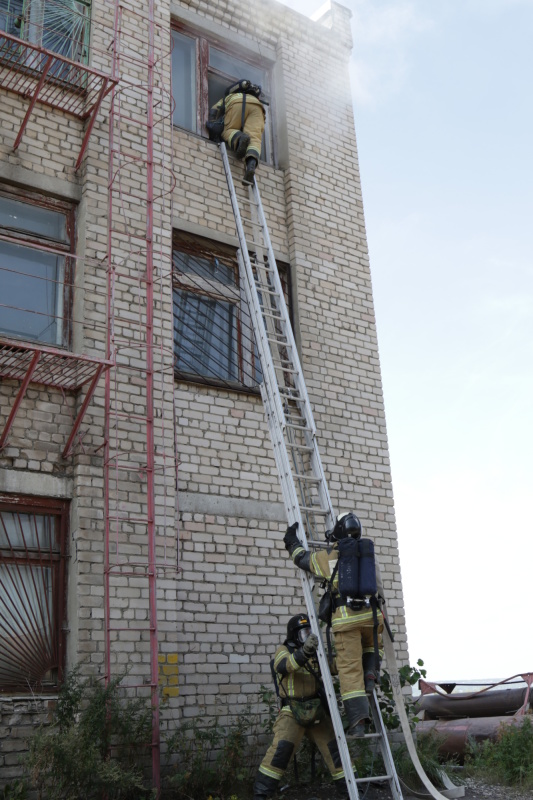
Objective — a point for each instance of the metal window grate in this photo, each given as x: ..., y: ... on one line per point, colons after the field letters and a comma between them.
x: 32, y: 585
x: 214, y: 342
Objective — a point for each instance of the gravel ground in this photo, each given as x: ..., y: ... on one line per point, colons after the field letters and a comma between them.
x: 474, y: 790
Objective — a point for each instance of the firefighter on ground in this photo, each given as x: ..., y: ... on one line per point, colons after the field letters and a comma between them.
x: 303, y: 713
x: 356, y: 625
x: 244, y: 123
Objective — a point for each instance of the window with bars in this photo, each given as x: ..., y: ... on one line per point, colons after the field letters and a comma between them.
x: 33, y: 539
x: 213, y: 336
x: 61, y: 26
x: 36, y: 273
x: 201, y: 72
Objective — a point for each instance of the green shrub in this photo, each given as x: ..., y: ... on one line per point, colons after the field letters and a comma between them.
x: 96, y: 744
x: 14, y: 791
x: 408, y: 677
x: 508, y: 760
x: 208, y: 760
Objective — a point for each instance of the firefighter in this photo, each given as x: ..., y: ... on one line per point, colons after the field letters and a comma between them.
x: 297, y: 675
x: 244, y: 123
x: 356, y: 625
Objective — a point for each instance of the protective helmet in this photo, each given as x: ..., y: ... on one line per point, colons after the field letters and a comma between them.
x: 244, y: 85
x: 298, y: 629
x: 346, y: 524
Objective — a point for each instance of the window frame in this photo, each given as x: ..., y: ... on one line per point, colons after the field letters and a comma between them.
x: 244, y: 355
x: 60, y: 509
x: 47, y: 245
x: 203, y: 70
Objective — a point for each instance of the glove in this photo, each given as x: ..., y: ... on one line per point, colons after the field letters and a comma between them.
x: 290, y: 538
x: 310, y: 645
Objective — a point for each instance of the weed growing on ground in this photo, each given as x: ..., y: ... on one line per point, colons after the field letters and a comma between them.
x: 508, y: 760
x: 95, y: 746
x: 210, y: 760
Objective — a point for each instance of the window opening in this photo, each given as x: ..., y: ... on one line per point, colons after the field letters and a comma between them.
x: 200, y: 75
x: 32, y: 592
x: 35, y: 270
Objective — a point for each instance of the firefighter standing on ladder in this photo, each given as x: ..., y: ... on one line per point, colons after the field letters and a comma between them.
x: 303, y: 712
x: 244, y: 122
x: 357, y: 627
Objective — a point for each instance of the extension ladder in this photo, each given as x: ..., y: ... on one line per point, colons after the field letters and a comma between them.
x: 293, y: 433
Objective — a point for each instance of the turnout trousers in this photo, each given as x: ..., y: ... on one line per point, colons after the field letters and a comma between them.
x: 287, y: 736
x: 350, y: 644
x: 254, y: 125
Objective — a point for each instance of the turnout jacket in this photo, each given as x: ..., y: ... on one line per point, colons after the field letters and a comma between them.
x: 322, y: 563
x: 234, y: 99
x: 294, y: 680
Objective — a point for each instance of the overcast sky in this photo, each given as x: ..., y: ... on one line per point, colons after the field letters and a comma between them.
x: 443, y: 116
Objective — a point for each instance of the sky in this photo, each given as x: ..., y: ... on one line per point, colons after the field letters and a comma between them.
x: 443, y: 118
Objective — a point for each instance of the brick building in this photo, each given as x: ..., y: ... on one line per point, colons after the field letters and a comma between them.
x: 142, y: 520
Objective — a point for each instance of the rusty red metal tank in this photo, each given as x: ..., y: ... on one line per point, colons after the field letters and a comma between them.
x: 480, y: 715
x: 493, y: 703
x: 454, y: 734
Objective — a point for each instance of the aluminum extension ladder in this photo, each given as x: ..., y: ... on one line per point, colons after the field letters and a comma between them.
x: 293, y: 434
x: 303, y: 483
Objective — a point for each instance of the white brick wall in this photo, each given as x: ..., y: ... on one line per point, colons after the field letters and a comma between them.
x: 222, y: 615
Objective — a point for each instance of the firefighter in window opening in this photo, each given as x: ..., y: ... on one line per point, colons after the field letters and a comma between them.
x: 244, y: 122
x: 357, y: 622
x: 297, y: 678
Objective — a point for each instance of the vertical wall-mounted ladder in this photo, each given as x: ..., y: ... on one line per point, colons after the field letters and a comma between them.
x: 293, y: 433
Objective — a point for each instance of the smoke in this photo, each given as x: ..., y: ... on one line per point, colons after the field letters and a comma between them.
x: 383, y: 33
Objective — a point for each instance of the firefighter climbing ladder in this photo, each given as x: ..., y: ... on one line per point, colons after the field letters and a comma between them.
x: 293, y: 433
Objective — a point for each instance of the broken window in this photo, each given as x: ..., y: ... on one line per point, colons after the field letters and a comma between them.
x: 36, y: 237
x: 32, y: 592
x: 61, y: 26
x: 201, y: 72
x: 213, y: 336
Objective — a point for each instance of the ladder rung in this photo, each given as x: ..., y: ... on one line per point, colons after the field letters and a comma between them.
x: 297, y: 427
x: 272, y: 316
x: 314, y: 510
x: 374, y: 779
x: 304, y: 447
x: 277, y: 339
x: 313, y: 479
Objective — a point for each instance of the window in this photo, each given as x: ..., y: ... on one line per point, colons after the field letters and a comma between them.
x: 33, y: 536
x: 213, y: 336
x: 200, y: 74
x: 36, y: 273
x: 61, y: 26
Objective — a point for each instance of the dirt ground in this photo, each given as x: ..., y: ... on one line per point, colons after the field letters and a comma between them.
x: 474, y: 790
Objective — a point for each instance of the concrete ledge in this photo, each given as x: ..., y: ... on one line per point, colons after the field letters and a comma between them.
x: 194, y: 229
x: 36, y: 483
x: 197, y: 503
x: 27, y: 179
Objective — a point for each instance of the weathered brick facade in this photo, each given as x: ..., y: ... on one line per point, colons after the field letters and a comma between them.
x: 223, y: 612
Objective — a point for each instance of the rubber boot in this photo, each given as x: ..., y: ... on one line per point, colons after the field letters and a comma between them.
x: 357, y: 712
x: 264, y: 786
x: 239, y: 144
x: 251, y: 164
x: 370, y: 672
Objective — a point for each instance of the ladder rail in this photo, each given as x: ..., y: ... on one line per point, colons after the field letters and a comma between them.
x: 274, y: 412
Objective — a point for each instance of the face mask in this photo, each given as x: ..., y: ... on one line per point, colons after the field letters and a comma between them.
x: 303, y: 633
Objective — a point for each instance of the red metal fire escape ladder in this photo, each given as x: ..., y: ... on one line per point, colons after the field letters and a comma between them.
x: 139, y: 456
